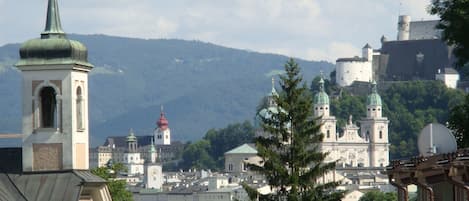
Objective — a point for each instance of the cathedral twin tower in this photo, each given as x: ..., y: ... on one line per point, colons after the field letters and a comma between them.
x: 364, y: 146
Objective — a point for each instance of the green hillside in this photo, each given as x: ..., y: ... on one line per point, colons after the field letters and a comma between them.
x: 201, y: 85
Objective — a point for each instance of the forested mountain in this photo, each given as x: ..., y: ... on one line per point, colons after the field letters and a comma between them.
x: 201, y: 85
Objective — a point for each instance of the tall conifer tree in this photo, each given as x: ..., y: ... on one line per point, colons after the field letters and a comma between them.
x: 290, y: 148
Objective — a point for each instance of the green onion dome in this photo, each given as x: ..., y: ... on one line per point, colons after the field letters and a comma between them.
x: 321, y: 98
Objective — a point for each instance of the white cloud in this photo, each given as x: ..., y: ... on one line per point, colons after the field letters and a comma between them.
x: 333, y: 51
x: 417, y: 9
x: 310, y: 29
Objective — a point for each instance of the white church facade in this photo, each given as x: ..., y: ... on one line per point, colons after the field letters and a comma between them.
x: 364, y: 146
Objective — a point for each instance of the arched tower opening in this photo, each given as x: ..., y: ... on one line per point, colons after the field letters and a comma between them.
x: 79, y: 105
x: 48, y: 109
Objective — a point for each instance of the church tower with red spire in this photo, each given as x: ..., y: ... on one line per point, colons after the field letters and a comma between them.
x: 162, y: 132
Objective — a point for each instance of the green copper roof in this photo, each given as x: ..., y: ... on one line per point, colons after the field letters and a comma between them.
x: 243, y: 149
x: 53, y: 48
x: 374, y: 98
x: 131, y: 137
x: 321, y: 98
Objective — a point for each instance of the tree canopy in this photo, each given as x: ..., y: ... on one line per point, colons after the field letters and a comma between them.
x: 459, y: 123
x: 117, y: 187
x: 208, y: 153
x: 454, y: 21
x: 379, y: 196
x: 292, y: 161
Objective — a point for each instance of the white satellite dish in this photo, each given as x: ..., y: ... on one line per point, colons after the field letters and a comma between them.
x: 436, y: 139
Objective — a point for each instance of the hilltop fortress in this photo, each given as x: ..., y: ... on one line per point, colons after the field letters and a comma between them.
x: 418, y: 53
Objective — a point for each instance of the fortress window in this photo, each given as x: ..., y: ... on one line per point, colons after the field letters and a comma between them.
x: 48, y: 109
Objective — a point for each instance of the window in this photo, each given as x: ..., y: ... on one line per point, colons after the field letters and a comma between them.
x: 380, y: 134
x: 79, y: 109
x: 328, y: 134
x: 48, y: 109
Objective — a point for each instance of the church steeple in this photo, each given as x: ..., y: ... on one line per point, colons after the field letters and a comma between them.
x: 55, y: 92
x: 321, y: 101
x: 272, y: 94
x: 374, y: 103
x: 53, y: 26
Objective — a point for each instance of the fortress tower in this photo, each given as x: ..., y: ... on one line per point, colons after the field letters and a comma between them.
x: 403, y: 27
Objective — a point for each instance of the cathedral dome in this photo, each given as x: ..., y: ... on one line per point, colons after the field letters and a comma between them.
x: 266, y: 113
x: 374, y: 99
x: 321, y: 98
x: 162, y: 122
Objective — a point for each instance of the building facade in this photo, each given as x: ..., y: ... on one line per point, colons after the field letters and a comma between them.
x: 364, y: 146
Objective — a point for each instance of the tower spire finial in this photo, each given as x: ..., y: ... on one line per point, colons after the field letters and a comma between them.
x: 53, y: 27
x: 321, y: 81
x: 374, y: 88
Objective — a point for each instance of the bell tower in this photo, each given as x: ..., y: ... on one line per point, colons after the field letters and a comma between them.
x: 55, y: 99
x: 321, y: 107
x: 162, y: 132
x: 375, y: 129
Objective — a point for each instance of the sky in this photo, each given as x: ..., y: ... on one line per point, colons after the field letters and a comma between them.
x: 307, y: 29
